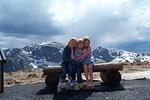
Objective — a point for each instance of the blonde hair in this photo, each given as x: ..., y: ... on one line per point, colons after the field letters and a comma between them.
x: 80, y: 41
x: 72, y: 40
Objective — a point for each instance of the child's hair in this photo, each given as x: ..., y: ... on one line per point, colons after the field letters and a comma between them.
x: 72, y: 39
x: 86, y: 39
x: 80, y: 41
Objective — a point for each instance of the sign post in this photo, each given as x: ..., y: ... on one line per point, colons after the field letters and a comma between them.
x: 2, y: 61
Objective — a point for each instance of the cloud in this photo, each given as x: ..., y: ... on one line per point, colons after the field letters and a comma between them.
x: 105, y: 22
x: 13, y: 42
x: 26, y: 17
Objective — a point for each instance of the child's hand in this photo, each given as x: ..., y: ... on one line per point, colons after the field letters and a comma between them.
x: 84, y: 50
x: 72, y: 56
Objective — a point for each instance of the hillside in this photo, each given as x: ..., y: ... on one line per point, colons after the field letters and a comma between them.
x: 49, y: 54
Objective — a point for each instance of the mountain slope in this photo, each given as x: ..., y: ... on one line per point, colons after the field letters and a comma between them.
x: 50, y: 54
x: 33, y: 56
x: 137, y: 46
x: 17, y: 59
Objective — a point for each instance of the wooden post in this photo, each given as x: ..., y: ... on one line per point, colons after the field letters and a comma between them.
x: 2, y: 61
x: 1, y: 78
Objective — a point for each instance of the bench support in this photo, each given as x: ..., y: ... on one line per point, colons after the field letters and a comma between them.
x: 52, y: 81
x: 111, y: 78
x: 109, y: 73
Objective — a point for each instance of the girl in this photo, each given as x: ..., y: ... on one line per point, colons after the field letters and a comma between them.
x: 88, y: 63
x: 78, y: 57
x: 67, y: 66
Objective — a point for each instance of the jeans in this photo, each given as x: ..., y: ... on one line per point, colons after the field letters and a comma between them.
x: 64, y: 70
x: 67, y: 68
x: 72, y: 72
x: 78, y: 69
x: 72, y: 68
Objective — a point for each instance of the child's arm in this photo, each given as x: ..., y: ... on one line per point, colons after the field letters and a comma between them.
x: 80, y: 57
x: 72, y: 55
x: 66, y: 55
x: 88, y: 51
x: 84, y: 54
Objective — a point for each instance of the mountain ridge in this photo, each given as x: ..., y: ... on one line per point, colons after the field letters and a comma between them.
x: 49, y: 54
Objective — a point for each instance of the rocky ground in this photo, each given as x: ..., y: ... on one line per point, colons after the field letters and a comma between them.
x: 23, y: 77
x: 128, y: 90
x: 29, y: 85
x: 130, y: 71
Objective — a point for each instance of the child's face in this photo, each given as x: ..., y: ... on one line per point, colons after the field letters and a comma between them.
x: 73, y: 43
x: 86, y: 44
x: 80, y: 45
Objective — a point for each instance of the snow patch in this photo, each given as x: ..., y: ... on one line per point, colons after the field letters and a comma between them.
x: 33, y: 65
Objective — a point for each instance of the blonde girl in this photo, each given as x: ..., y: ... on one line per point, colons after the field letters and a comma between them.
x: 88, y: 63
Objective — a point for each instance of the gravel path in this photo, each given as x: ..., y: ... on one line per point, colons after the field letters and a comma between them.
x: 128, y: 90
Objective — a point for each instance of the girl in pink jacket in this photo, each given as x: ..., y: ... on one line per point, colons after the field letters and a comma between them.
x: 88, y: 63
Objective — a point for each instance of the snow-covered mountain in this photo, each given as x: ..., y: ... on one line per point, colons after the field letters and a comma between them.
x: 50, y: 53
x: 135, y: 46
x: 125, y: 56
x: 114, y: 55
x: 17, y: 59
x: 34, y: 56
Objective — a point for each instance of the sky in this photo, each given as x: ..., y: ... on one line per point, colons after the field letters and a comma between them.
x: 105, y: 22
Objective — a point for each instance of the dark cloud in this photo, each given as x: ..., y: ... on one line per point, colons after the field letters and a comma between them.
x: 26, y: 17
x: 106, y: 22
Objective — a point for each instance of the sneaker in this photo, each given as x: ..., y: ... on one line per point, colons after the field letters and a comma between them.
x: 81, y: 85
x: 62, y: 80
x: 72, y: 83
x: 69, y: 81
x: 59, y: 88
x: 92, y: 87
x: 77, y: 87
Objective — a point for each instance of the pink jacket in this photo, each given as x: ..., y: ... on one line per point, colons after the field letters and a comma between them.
x: 87, y: 53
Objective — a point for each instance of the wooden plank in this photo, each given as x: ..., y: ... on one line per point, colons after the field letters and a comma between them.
x: 96, y: 68
x: 51, y: 70
x: 107, y: 66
